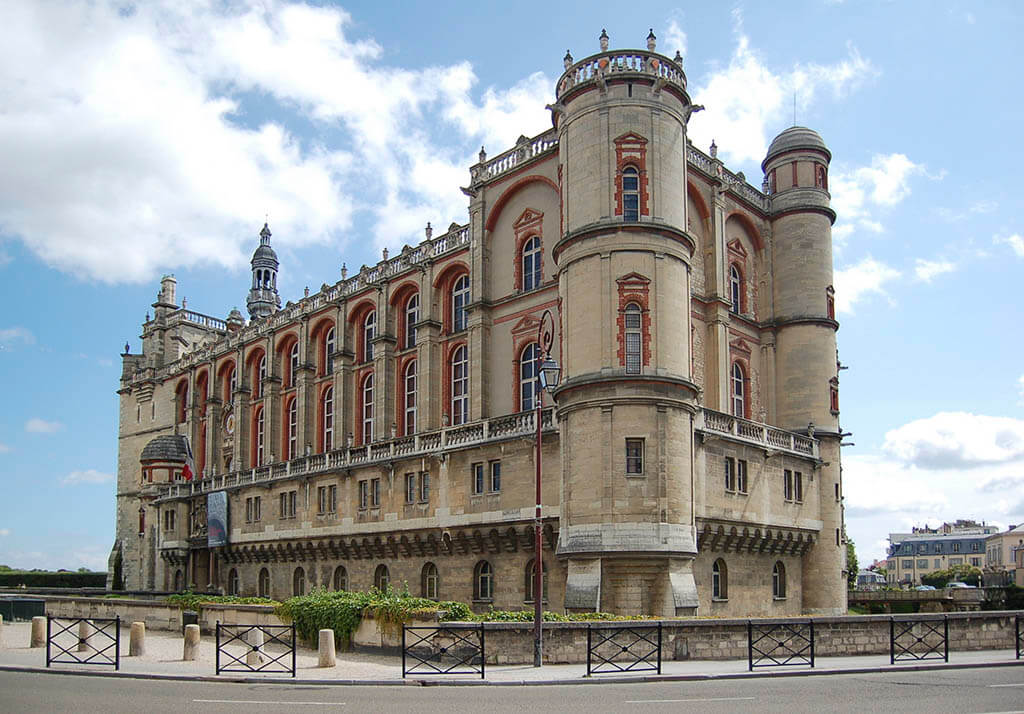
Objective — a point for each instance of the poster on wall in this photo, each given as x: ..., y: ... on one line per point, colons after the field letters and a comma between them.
x: 216, y: 519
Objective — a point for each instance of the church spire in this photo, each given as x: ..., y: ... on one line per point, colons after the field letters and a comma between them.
x: 263, y: 298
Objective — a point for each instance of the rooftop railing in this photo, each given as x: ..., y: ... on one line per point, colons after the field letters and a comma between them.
x: 756, y: 433
x: 620, y: 62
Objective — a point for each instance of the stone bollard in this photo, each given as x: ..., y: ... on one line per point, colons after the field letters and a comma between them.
x: 191, y: 650
x: 328, y: 657
x: 1, y: 630
x: 137, y: 640
x: 38, y: 632
x: 253, y: 658
x: 84, y: 630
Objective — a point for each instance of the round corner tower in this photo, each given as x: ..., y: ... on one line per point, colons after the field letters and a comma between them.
x: 627, y: 401
x: 807, y: 398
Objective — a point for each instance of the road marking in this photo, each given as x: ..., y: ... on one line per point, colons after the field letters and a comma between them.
x: 258, y: 701
x: 675, y: 701
x: 1021, y: 684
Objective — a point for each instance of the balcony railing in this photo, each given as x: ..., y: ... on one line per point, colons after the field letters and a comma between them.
x: 756, y: 433
x: 605, y: 64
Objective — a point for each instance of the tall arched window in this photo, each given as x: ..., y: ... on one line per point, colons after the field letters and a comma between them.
x: 483, y: 581
x: 328, y: 419
x: 292, y: 430
x: 528, y: 377
x: 735, y: 289
x: 630, y: 195
x: 381, y: 577
x: 366, y: 407
x: 181, y: 401
x: 719, y: 580
x: 340, y: 578
x: 779, y: 580
x: 259, y: 438
x: 233, y: 582
x: 530, y: 574
x: 369, y: 332
x: 412, y: 316
x: 460, y: 386
x: 409, y: 398
x: 230, y: 384
x: 428, y: 581
x: 179, y: 581
x: 460, y: 299
x: 299, y: 581
x: 634, y: 342
x: 738, y: 390
x: 329, y: 345
x: 531, y: 264
x: 293, y: 365
x: 263, y: 583
x: 259, y: 376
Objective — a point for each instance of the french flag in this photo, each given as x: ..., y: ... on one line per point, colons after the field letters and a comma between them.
x: 190, y: 465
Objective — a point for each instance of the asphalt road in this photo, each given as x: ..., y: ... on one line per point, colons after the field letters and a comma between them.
x: 990, y: 690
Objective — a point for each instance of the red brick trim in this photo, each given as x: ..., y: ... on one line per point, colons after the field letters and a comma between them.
x: 201, y: 456
x: 444, y: 283
x: 748, y: 225
x: 520, y: 343
x: 254, y: 436
x: 446, y: 380
x: 698, y: 200
x: 634, y: 288
x: 506, y: 196
x: 830, y: 302
x: 360, y: 380
x: 735, y: 357
x: 318, y: 336
x: 795, y: 179
x: 820, y: 176
x: 224, y: 375
x: 401, y: 365
x: 529, y: 224
x: 631, y: 150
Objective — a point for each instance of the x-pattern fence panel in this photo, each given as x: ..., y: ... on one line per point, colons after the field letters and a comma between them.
x: 443, y: 649
x: 1017, y: 640
x: 81, y: 640
x: 780, y: 644
x: 268, y: 649
x: 918, y: 639
x: 623, y: 649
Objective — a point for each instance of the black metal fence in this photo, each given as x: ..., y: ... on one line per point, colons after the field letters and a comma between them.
x: 631, y: 648
x: 443, y: 649
x: 83, y: 640
x: 268, y: 649
x: 1019, y: 644
x: 918, y: 638
x: 780, y: 643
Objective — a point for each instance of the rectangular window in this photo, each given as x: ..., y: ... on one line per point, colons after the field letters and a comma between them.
x: 976, y: 562
x: 375, y: 492
x: 975, y: 547
x: 956, y: 547
x: 837, y: 493
x: 922, y: 548
x: 956, y: 561
x: 327, y: 499
x: 798, y: 487
x: 730, y: 474
x: 288, y: 499
x: 364, y: 494
x: 938, y: 547
x: 908, y: 564
x: 424, y: 486
x: 787, y: 485
x: 495, y: 476
x: 169, y: 517
x: 922, y: 564
x: 741, y: 476
x: 252, y: 509
x: 938, y: 563
x: 410, y: 488
x: 478, y: 478
x: 634, y: 456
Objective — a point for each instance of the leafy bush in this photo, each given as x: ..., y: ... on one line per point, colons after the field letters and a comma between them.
x: 192, y: 601
x: 16, y: 578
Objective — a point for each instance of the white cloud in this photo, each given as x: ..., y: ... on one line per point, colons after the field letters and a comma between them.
x: 957, y: 440
x: 87, y: 476
x: 10, y: 336
x: 856, y: 282
x: 5, y: 531
x: 672, y: 40
x: 1015, y: 241
x: 36, y: 425
x: 926, y: 270
x: 136, y: 125
x: 857, y: 193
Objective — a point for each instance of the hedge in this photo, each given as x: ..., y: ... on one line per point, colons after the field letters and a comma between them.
x: 15, y: 579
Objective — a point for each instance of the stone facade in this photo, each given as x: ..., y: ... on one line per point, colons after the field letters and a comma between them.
x: 384, y: 426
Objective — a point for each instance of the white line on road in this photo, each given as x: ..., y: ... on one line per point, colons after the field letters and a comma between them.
x: 674, y: 701
x: 1021, y: 684
x: 257, y: 701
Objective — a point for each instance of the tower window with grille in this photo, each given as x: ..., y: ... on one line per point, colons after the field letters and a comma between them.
x: 634, y: 456
x: 633, y: 339
x: 630, y: 195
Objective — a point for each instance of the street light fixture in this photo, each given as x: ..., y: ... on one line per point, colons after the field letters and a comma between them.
x: 548, y: 376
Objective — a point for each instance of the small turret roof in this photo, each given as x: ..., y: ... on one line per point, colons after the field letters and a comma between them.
x: 169, y: 447
x: 795, y: 137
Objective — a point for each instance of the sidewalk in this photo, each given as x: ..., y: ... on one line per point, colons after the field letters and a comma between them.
x: 164, y: 652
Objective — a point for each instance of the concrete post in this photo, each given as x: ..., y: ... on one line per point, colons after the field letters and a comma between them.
x: 191, y: 649
x: 327, y: 654
x: 1, y: 630
x: 253, y: 658
x: 137, y: 640
x: 84, y: 630
x: 38, y: 632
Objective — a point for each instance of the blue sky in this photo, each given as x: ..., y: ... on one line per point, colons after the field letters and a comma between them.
x: 150, y: 139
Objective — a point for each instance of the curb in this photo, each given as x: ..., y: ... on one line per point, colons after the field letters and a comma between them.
x: 699, y: 677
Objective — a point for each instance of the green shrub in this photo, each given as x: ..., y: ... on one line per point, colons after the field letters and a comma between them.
x: 17, y: 578
x: 192, y: 601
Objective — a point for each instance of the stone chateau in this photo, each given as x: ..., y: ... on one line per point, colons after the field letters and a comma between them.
x: 382, y: 430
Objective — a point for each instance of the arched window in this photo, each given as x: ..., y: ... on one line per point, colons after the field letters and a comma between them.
x: 263, y: 583
x: 293, y: 365
x: 179, y: 580
x: 299, y: 582
x: 328, y: 419
x: 233, y: 583
x: 528, y: 377
x: 634, y: 342
x: 369, y: 332
x: 291, y: 446
x: 483, y: 581
x: 366, y: 407
x: 428, y: 581
x: 735, y: 289
x: 779, y: 580
x: 181, y: 401
x: 738, y: 390
x: 340, y: 578
x: 460, y: 299
x: 719, y: 580
x: 412, y: 316
x: 258, y: 438
x: 409, y: 397
x: 230, y: 384
x: 259, y: 376
x: 531, y: 264
x: 329, y: 345
x: 460, y: 386
x: 381, y: 577
x: 530, y: 570
x: 630, y: 195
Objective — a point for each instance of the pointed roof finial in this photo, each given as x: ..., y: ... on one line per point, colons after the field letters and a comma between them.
x: 651, y: 40
x: 567, y: 60
x: 603, y: 40
x: 429, y: 231
x: 482, y: 155
x: 678, y: 59
x: 344, y: 271
x: 714, y: 149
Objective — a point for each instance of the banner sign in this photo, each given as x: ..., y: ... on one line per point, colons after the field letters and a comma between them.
x: 216, y: 519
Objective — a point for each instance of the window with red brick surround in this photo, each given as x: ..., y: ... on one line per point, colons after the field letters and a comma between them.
x: 631, y: 151
x: 634, y: 289
x: 830, y: 302
x: 528, y: 269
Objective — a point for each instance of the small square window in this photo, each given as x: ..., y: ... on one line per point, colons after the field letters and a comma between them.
x: 634, y: 456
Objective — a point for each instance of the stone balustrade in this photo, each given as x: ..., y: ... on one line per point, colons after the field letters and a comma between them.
x: 620, y: 62
x: 524, y: 150
x: 768, y: 437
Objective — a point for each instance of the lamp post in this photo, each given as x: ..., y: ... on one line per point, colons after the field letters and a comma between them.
x: 547, y: 374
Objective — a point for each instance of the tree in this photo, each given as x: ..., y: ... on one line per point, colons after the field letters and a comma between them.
x: 851, y: 560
